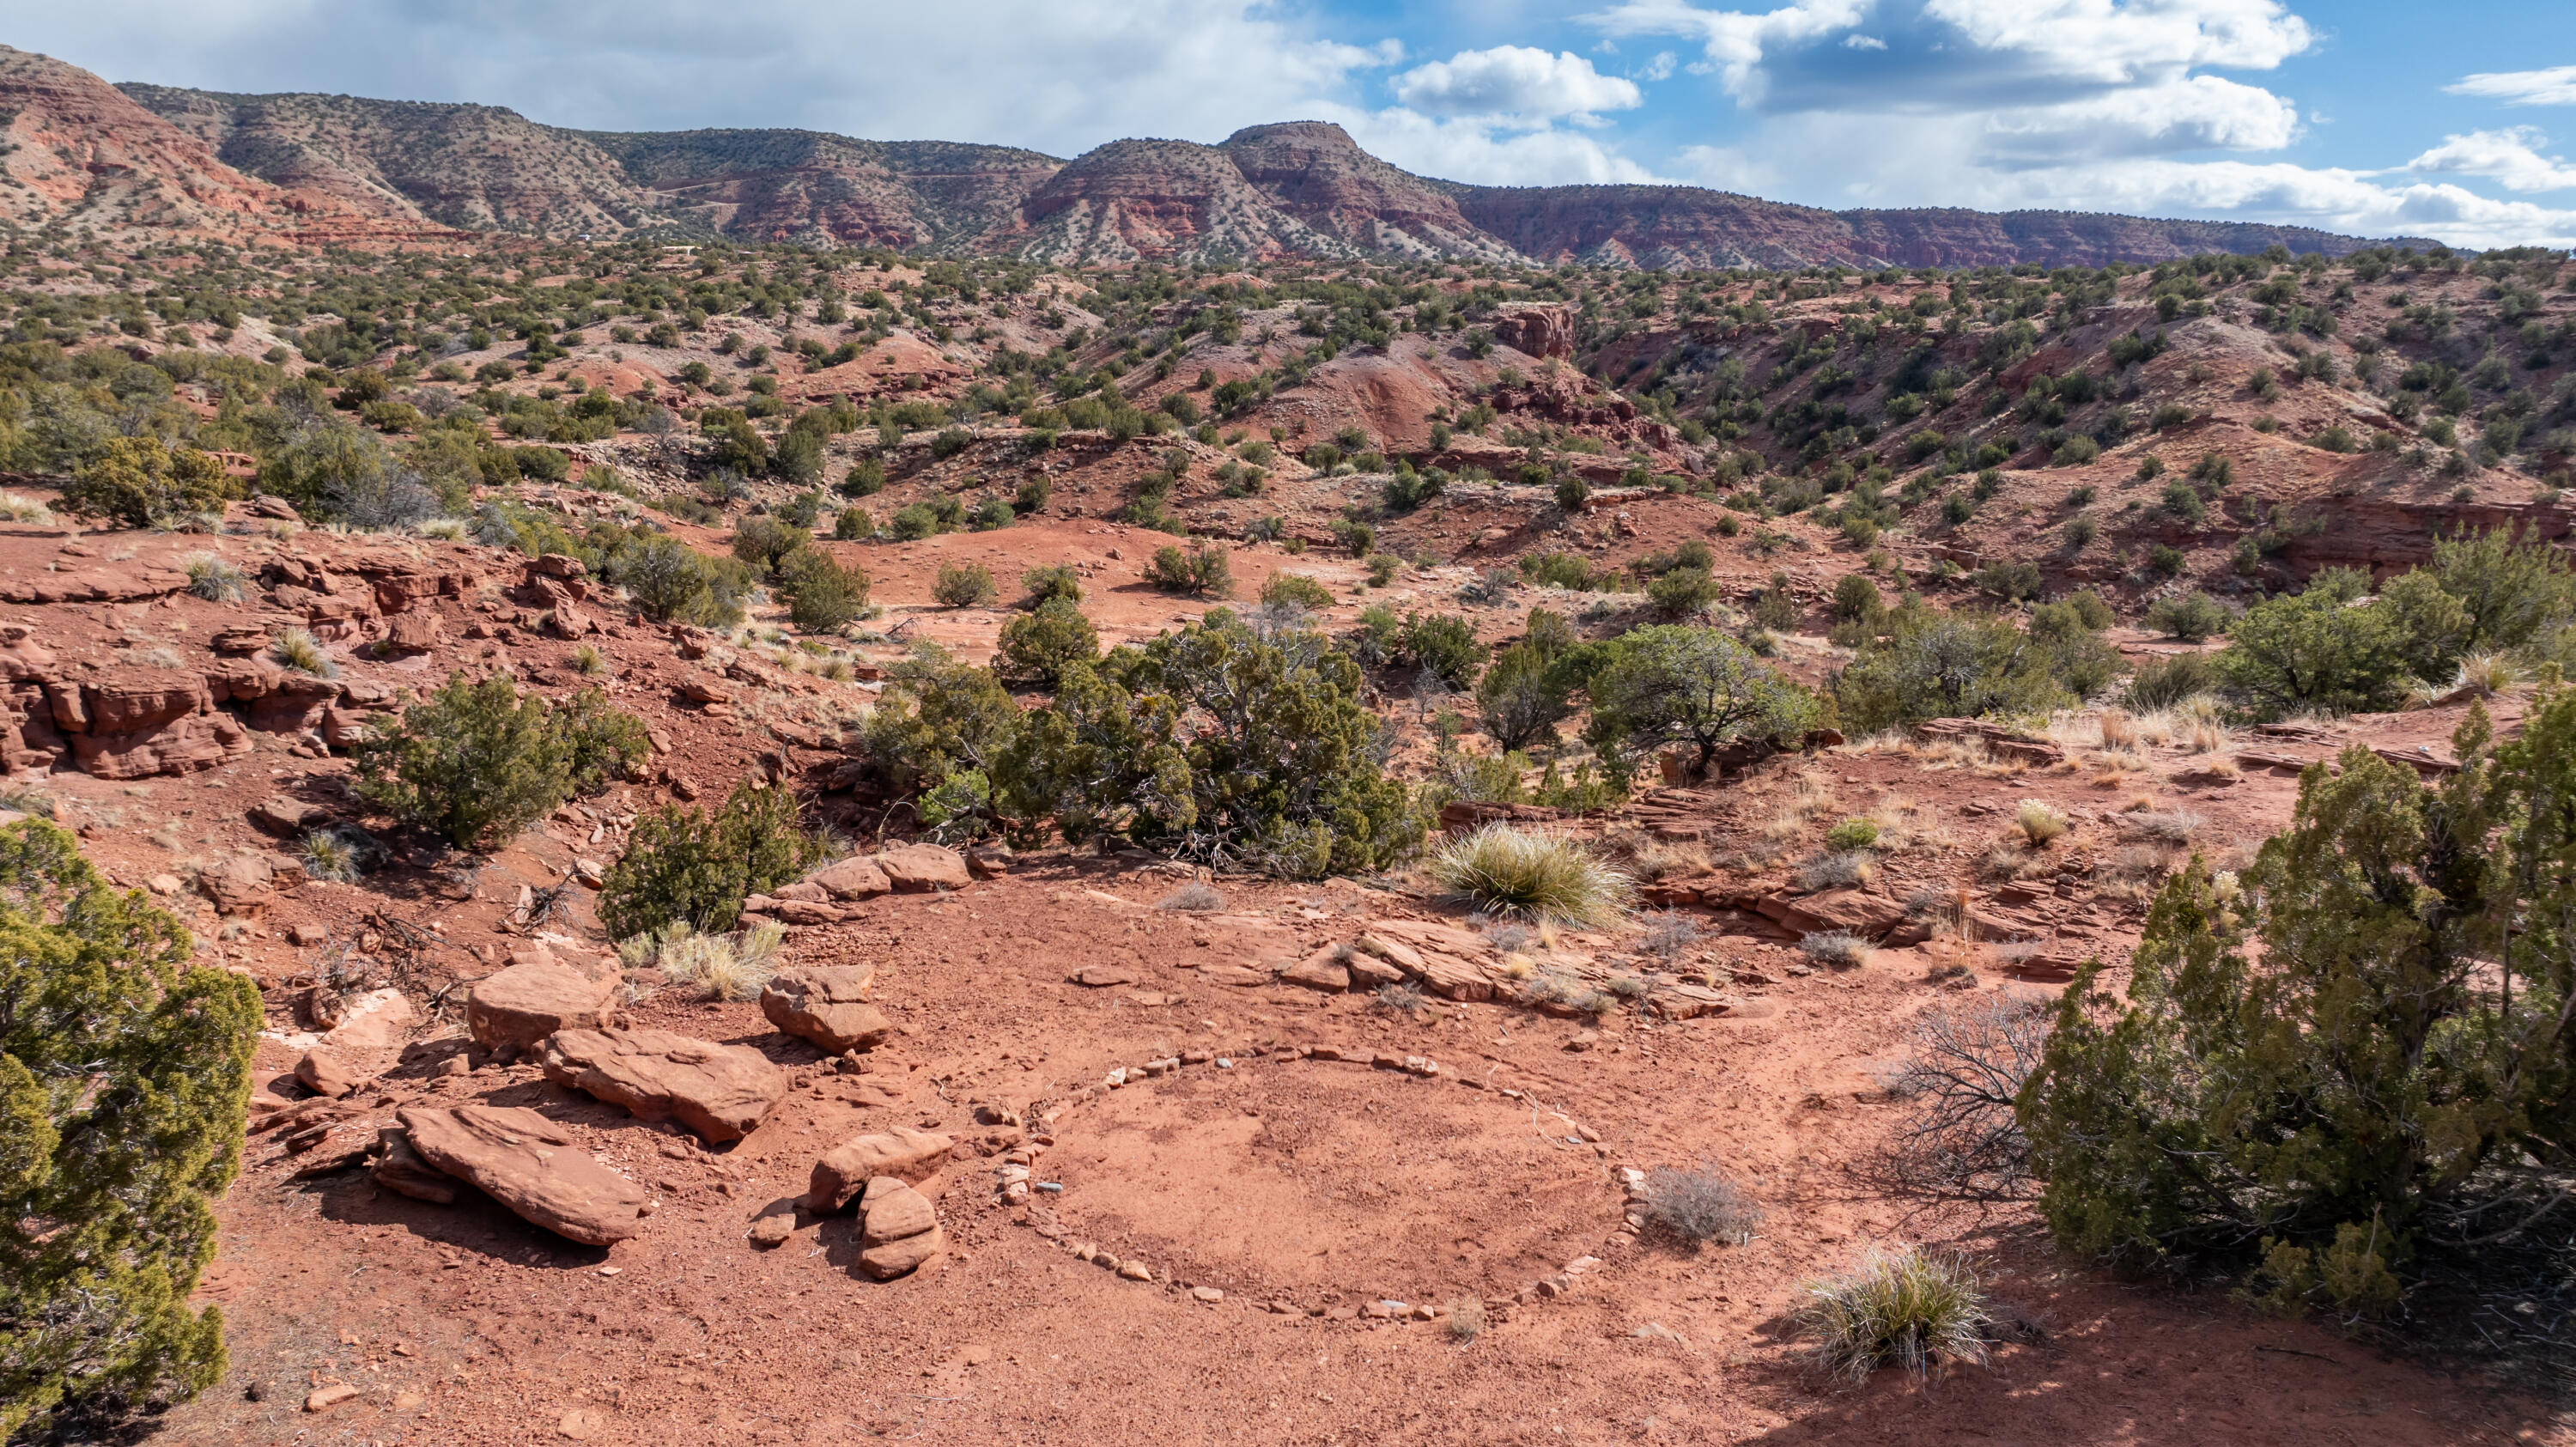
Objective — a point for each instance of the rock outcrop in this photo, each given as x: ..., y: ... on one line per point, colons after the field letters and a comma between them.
x: 719, y: 1091
x: 845, y: 1170
x: 536, y: 995
x: 826, y: 1004
x: 531, y: 1166
x: 899, y: 1230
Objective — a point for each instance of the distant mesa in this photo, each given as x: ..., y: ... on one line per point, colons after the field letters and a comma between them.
x: 329, y: 169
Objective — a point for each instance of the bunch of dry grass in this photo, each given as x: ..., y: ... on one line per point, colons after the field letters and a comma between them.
x: 2040, y: 821
x: 724, y: 966
x: 1903, y: 1307
x: 300, y: 650
x: 1839, y: 948
x: 1844, y: 870
x: 1506, y: 871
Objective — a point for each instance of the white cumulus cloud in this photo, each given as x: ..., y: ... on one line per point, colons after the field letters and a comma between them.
x: 2510, y: 156
x: 2555, y: 86
x: 1516, y: 81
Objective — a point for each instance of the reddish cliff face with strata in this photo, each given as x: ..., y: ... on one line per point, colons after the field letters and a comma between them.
x: 335, y: 168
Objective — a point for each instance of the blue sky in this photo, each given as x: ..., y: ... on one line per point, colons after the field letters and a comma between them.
x: 2451, y: 122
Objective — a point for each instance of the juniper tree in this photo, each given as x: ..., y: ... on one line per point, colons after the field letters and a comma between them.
x: 124, y: 1076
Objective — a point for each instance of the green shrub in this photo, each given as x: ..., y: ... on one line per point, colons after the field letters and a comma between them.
x: 1521, y: 698
x: 1949, y: 665
x: 823, y: 596
x: 1043, y: 585
x: 1852, y: 834
x: 1676, y: 684
x: 1297, y: 589
x: 686, y: 866
x: 853, y: 525
x: 476, y: 763
x: 761, y: 541
x: 1572, y: 492
x: 1220, y: 744
x: 1444, y: 644
x: 2164, y: 682
x: 145, y: 482
x: 1856, y: 600
x: 964, y: 585
x: 1381, y: 568
x: 913, y: 523
x: 1683, y: 592
x: 2008, y: 582
x: 2190, y: 617
x: 666, y: 578
x: 1038, y: 647
x: 1505, y: 871
x: 866, y: 478
x: 125, y: 1074
x: 2321, y: 1069
x: 1202, y: 570
x: 2313, y: 651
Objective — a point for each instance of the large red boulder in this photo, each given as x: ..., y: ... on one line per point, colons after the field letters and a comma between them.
x: 719, y: 1091
x: 533, y: 1167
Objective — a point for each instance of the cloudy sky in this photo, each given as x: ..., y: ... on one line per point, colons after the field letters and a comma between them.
x: 2454, y: 121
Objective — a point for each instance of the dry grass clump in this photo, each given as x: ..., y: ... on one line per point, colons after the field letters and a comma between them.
x: 724, y: 966
x: 216, y: 581
x: 2040, y: 821
x: 300, y: 650
x: 2118, y: 732
x: 441, y: 530
x: 1569, y: 991
x: 1700, y: 1205
x: 588, y: 662
x: 1904, y: 1307
x: 1844, y: 870
x: 2177, y: 825
x: 2486, y: 675
x: 1956, y: 753
x: 328, y: 855
x: 1192, y: 898
x: 1467, y: 1318
x: 1839, y: 948
x: 17, y: 507
x: 1648, y: 859
x: 1504, y: 871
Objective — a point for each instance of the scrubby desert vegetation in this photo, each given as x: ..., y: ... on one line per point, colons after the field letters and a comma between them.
x: 2114, y: 713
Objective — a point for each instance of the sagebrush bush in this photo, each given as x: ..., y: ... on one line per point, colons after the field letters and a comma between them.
x: 1506, y: 871
x: 1702, y: 1204
x: 125, y: 1074
x: 1904, y: 1307
x: 1192, y: 898
x: 476, y: 763
x: 689, y: 866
